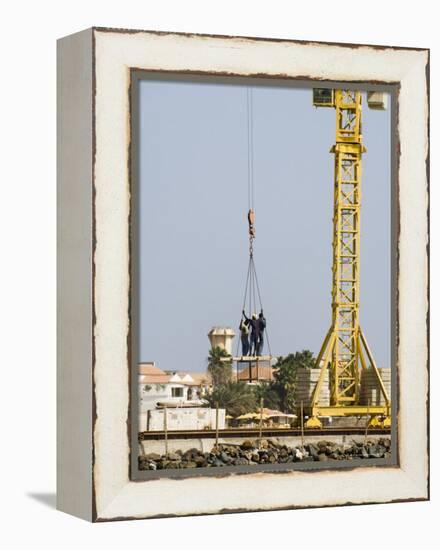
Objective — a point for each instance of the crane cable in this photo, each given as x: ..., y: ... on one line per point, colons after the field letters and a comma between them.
x: 252, y: 287
x: 250, y: 146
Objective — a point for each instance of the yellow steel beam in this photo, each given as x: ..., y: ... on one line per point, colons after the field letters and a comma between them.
x: 342, y: 346
x: 374, y: 366
x: 350, y: 410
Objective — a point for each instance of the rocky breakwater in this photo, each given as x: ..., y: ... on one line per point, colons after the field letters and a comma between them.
x: 253, y: 453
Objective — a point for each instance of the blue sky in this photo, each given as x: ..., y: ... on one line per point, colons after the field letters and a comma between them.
x: 193, y: 227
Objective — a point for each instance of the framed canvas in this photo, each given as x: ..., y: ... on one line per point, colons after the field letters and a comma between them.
x: 189, y: 381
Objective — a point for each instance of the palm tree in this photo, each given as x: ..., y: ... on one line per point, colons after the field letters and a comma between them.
x: 267, y: 391
x: 220, y: 370
x: 236, y: 397
x: 286, y: 376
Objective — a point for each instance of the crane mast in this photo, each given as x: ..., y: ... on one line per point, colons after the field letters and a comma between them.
x: 345, y: 349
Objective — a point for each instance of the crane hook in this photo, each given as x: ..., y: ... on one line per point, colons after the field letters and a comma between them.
x: 251, y: 221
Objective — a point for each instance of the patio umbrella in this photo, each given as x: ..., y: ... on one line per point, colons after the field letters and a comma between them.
x: 247, y: 416
x: 252, y: 416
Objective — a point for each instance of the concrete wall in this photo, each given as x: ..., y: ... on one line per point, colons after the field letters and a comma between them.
x: 182, y: 419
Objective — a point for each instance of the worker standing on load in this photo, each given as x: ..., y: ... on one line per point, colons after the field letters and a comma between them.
x: 261, y: 327
x: 255, y: 332
x: 244, y: 332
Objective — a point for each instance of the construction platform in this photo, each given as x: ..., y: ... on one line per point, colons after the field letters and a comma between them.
x: 249, y: 358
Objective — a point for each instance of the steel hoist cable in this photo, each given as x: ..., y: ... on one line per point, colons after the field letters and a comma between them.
x: 252, y: 287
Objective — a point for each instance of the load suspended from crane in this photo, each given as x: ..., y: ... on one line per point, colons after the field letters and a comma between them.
x: 345, y: 346
x: 253, y: 331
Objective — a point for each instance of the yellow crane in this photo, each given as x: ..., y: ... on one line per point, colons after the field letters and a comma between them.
x: 345, y: 349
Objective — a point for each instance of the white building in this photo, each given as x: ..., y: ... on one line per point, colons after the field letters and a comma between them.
x: 179, y: 395
x: 158, y: 388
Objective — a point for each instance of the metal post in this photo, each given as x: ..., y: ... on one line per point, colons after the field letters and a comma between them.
x: 368, y: 421
x: 302, y: 424
x: 165, y: 428
x: 216, y: 426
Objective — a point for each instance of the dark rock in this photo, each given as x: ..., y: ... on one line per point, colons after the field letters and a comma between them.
x: 200, y: 461
x: 152, y: 456
x: 313, y: 451
x: 190, y: 454
x: 240, y: 462
x: 174, y: 456
x: 193, y: 451
x: 374, y: 451
x: 308, y: 458
x: 266, y: 452
x: 298, y: 455
x: 225, y: 458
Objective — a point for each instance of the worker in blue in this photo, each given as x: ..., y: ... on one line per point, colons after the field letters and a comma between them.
x: 244, y: 334
x: 261, y: 326
x: 255, y: 332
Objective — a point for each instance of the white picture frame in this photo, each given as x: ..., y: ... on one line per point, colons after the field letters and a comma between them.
x: 94, y: 202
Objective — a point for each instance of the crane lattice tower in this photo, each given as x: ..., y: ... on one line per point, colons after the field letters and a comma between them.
x: 345, y: 347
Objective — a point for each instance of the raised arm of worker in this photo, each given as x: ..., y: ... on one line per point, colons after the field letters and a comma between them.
x: 244, y: 315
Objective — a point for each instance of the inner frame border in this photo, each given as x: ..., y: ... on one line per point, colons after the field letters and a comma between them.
x: 137, y: 75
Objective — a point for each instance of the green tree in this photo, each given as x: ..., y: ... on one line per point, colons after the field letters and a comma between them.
x: 286, y: 375
x: 268, y: 392
x: 220, y: 370
x: 236, y: 397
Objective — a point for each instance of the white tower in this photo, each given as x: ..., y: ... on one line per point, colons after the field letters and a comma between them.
x: 221, y: 337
